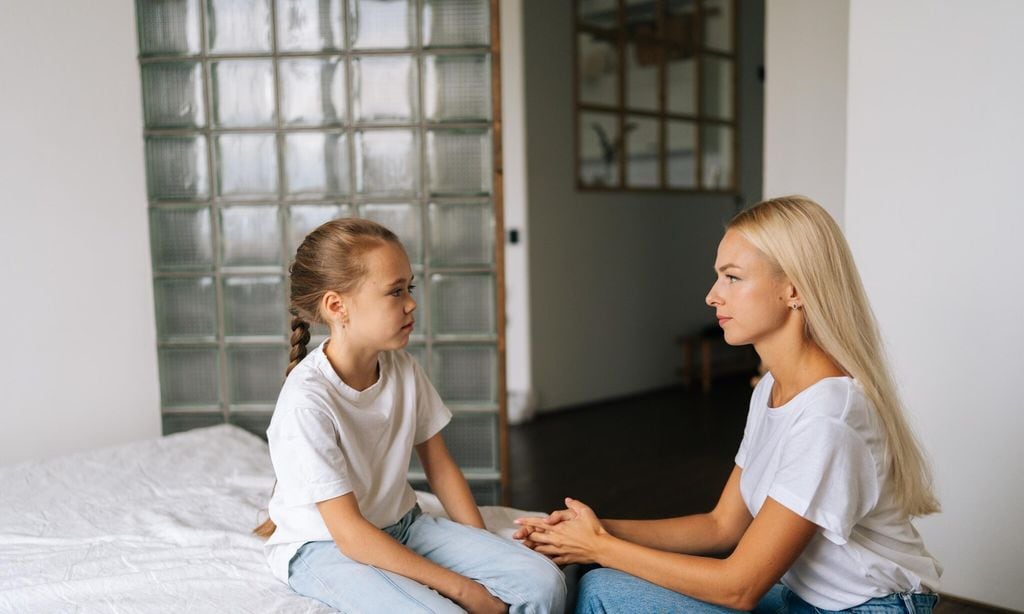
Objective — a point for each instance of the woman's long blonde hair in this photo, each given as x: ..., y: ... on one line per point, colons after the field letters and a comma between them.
x: 806, y: 245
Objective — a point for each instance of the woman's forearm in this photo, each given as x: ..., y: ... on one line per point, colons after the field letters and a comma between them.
x: 696, y: 534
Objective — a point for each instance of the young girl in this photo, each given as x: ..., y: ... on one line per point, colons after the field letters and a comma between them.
x: 828, y: 474
x: 344, y: 525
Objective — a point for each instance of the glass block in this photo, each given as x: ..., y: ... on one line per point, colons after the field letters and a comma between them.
x: 472, y: 439
x: 716, y: 87
x: 316, y: 164
x: 457, y: 87
x: 246, y: 165
x: 462, y: 303
x: 402, y: 219
x: 381, y: 24
x: 178, y: 422
x: 456, y: 23
x: 465, y: 373
x: 718, y: 157
x: 681, y: 81
x: 180, y: 238
x: 384, y: 88
x: 243, y: 93
x: 312, y: 91
x: 239, y: 26
x: 168, y: 27
x: 304, y: 218
x: 461, y: 234
x: 642, y: 86
x: 189, y: 376
x: 643, y: 153
x: 598, y: 13
x: 718, y: 24
x: 185, y: 307
x: 641, y: 16
x: 387, y: 162
x: 682, y: 155
x: 172, y: 95
x: 598, y: 65
x: 254, y: 305
x: 176, y: 168
x: 250, y: 236
x: 485, y: 492
x: 256, y: 373
x: 600, y: 148
x: 459, y: 161
x: 256, y: 422
x: 309, y: 25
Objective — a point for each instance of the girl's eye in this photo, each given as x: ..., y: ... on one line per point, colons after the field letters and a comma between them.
x: 411, y: 288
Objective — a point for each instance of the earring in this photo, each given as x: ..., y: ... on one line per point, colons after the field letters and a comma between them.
x: 794, y: 306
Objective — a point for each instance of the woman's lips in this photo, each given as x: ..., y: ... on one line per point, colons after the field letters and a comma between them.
x: 723, y: 320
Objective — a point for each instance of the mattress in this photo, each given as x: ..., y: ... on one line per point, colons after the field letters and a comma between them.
x: 155, y: 526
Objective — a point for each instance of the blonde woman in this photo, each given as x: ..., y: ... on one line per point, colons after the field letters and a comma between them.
x: 817, y: 512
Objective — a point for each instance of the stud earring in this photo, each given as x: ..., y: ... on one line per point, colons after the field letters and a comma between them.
x: 794, y: 306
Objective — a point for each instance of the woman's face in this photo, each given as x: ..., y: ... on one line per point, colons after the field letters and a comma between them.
x: 749, y: 295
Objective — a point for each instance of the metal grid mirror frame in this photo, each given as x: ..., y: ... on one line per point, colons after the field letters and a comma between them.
x: 265, y: 118
x: 655, y: 95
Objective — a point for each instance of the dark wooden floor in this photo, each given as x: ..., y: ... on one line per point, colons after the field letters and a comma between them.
x: 657, y: 455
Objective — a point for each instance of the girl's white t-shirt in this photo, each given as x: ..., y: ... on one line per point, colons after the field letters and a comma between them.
x: 823, y: 456
x: 327, y: 439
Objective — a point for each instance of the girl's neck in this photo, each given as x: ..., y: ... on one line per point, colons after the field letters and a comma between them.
x: 357, y: 368
x: 795, y: 366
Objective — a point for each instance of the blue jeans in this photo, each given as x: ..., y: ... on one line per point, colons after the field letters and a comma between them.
x: 527, y: 581
x: 604, y: 591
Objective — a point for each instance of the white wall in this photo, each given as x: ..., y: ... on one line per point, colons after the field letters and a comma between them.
x: 933, y: 214
x: 614, y: 277
x: 805, y: 141
x: 78, y: 359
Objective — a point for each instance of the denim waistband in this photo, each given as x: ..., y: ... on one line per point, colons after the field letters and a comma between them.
x: 400, y: 530
x: 908, y: 603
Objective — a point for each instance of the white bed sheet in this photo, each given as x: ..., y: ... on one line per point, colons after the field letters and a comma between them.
x: 155, y: 526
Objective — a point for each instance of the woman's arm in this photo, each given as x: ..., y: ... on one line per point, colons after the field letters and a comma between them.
x: 717, y: 531
x: 714, y: 532
x: 362, y: 542
x: 448, y: 483
x: 770, y: 545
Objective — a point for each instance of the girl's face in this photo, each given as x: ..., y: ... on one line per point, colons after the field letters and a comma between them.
x: 751, y: 299
x: 379, y: 312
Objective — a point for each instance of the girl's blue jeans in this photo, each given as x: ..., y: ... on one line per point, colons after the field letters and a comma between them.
x: 527, y: 581
x: 604, y: 591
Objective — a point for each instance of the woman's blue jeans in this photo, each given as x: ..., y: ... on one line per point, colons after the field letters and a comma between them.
x: 529, y: 582
x: 607, y: 591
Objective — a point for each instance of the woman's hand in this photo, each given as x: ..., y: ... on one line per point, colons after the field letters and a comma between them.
x: 576, y: 537
x: 476, y: 599
x: 526, y: 530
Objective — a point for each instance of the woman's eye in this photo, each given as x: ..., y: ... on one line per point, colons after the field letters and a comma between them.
x: 732, y: 278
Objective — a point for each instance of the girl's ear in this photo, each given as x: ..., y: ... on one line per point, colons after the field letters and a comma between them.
x: 333, y: 307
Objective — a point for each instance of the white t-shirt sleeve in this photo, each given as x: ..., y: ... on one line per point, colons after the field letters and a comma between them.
x: 307, y: 460
x: 432, y: 414
x: 827, y: 475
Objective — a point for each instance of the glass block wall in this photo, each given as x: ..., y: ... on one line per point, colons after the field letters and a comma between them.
x: 264, y: 119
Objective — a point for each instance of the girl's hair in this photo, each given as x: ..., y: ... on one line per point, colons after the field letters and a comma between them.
x: 329, y: 258
x: 802, y: 241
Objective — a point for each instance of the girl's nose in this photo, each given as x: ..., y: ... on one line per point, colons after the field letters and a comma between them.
x: 410, y: 305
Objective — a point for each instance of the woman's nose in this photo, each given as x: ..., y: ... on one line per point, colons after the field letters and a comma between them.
x: 712, y: 299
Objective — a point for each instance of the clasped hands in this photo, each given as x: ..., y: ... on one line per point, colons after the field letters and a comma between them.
x: 572, y: 535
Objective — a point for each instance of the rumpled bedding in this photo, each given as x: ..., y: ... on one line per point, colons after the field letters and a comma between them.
x: 156, y: 526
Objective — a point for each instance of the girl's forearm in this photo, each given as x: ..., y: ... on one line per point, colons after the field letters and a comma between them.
x: 448, y: 483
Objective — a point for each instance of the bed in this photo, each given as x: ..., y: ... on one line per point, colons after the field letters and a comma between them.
x: 155, y: 526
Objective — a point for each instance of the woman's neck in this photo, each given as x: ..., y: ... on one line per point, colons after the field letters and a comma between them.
x: 795, y: 364
x: 357, y: 368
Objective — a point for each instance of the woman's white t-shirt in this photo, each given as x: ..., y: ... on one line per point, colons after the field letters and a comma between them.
x: 823, y: 456
x: 328, y: 439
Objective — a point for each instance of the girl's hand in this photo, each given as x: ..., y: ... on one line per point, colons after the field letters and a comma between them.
x: 476, y: 599
x: 574, y: 539
x: 525, y: 530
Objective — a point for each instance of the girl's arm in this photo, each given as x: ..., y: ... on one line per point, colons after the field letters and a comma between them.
x: 717, y: 531
x: 448, y: 483
x: 362, y: 542
x: 770, y: 545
